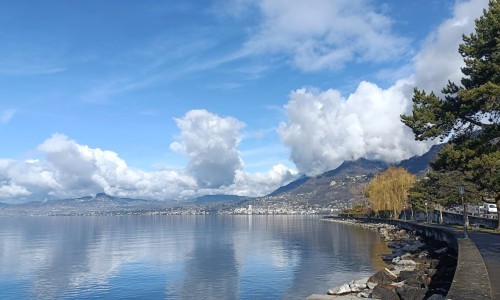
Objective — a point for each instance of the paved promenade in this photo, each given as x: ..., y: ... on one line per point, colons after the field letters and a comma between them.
x: 489, y: 246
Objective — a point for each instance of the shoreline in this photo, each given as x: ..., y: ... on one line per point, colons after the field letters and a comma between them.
x: 418, y: 268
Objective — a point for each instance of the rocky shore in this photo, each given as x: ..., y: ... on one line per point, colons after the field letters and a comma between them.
x: 417, y: 269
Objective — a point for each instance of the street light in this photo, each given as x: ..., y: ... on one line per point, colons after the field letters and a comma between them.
x: 426, y: 214
x: 466, y: 219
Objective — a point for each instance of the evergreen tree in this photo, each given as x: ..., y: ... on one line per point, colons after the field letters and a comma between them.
x: 468, y: 114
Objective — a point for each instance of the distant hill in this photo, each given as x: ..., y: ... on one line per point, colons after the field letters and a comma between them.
x: 291, y: 186
x: 419, y: 165
x: 330, y: 188
x: 357, y: 167
x: 80, y: 206
x: 335, y: 187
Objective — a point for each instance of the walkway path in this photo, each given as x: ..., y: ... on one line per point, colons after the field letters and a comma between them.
x: 489, y: 246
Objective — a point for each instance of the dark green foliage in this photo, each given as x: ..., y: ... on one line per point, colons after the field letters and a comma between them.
x: 469, y: 115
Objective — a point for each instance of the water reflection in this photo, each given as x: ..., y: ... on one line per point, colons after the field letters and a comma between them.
x: 181, y: 257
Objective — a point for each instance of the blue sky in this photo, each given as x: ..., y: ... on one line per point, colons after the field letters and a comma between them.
x: 173, y: 99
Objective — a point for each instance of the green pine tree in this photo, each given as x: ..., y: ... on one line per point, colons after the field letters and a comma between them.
x: 468, y: 114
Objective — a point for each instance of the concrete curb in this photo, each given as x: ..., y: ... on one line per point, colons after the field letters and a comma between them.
x: 471, y: 279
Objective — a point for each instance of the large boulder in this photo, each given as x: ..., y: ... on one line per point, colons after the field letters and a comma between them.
x: 340, y: 290
x: 358, y: 285
x: 418, y: 280
x: 386, y: 292
x: 404, y: 275
x: 382, y: 277
x: 407, y: 292
x: 406, y: 262
x: 413, y: 246
x: 364, y: 295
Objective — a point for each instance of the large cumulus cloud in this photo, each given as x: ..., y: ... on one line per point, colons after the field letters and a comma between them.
x: 210, y: 142
x: 70, y: 169
x: 324, y: 129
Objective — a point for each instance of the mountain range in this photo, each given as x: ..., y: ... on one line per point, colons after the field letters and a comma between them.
x: 335, y: 188
x: 339, y: 187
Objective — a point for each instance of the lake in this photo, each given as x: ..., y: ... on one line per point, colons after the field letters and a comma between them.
x: 181, y: 257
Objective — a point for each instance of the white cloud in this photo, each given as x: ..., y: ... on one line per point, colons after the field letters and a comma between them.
x: 71, y: 170
x: 325, y: 34
x: 439, y: 60
x: 7, y: 115
x: 261, y: 183
x: 86, y: 170
x: 324, y: 128
x: 12, y: 190
x: 210, y: 142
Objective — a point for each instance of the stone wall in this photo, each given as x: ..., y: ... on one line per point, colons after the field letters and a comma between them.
x: 471, y: 280
x: 455, y: 218
x: 440, y: 234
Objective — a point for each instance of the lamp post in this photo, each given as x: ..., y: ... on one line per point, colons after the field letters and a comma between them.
x: 466, y: 219
x: 426, y: 214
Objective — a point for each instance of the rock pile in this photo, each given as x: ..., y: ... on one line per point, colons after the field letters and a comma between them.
x: 417, y: 270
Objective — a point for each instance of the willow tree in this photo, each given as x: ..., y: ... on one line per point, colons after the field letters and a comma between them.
x: 468, y: 114
x: 388, y: 190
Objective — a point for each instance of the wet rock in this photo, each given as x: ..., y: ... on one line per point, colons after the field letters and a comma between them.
x: 364, y: 295
x: 406, y: 262
x: 382, y: 277
x: 418, y: 280
x: 371, y: 285
x: 388, y: 257
x: 341, y: 290
x: 397, y: 284
x: 404, y: 275
x: 434, y: 263
x: 413, y: 247
x: 430, y: 272
x: 441, y: 251
x: 423, y: 254
x: 385, y: 292
x: 320, y: 297
x: 407, y: 292
x: 358, y: 285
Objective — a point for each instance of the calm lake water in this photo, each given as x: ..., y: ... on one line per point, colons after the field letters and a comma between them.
x: 181, y: 257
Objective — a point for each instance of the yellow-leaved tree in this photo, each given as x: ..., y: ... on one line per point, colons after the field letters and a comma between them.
x: 388, y: 191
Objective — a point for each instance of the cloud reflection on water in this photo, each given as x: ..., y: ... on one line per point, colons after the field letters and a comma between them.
x: 180, y: 257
